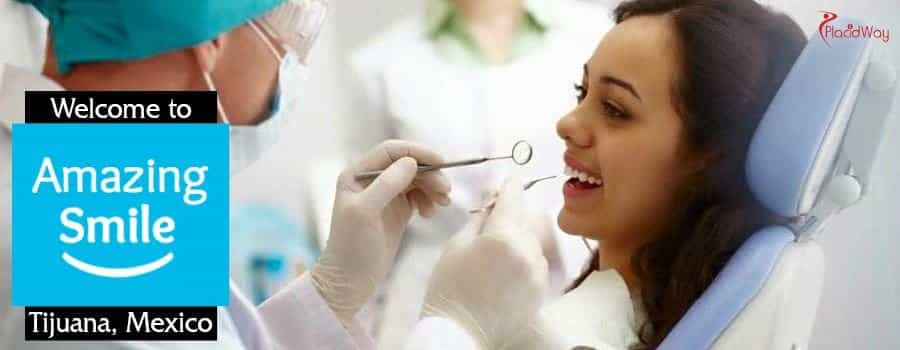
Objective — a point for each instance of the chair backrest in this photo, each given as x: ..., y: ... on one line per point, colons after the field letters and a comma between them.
x: 809, y: 158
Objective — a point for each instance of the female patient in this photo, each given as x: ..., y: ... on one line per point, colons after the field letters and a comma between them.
x: 656, y: 148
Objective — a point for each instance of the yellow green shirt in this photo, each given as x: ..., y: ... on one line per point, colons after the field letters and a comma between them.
x: 453, y: 41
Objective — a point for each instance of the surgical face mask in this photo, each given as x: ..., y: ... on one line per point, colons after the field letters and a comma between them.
x: 249, y: 142
x: 296, y: 23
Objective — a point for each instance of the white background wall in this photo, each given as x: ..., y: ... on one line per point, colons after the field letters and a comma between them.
x: 860, y: 306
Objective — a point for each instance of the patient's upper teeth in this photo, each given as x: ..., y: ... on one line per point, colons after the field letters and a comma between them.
x: 581, y: 176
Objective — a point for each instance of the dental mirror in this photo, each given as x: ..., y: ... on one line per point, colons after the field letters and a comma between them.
x: 521, y: 154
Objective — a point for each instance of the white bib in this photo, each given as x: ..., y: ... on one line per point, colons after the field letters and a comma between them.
x: 598, y: 314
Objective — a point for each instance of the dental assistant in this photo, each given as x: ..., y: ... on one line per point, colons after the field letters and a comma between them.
x: 253, y: 54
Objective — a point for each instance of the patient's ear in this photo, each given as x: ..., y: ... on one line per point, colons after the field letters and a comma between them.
x: 208, y: 53
x: 49, y: 69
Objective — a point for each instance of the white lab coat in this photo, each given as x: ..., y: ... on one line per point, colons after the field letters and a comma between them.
x: 22, y: 35
x: 294, y: 318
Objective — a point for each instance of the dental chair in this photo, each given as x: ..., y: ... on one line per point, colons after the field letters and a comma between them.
x: 810, y: 157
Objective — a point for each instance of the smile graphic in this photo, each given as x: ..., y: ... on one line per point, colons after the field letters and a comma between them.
x: 118, y: 272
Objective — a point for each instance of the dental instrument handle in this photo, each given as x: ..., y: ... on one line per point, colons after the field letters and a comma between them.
x: 424, y: 168
x: 368, y: 175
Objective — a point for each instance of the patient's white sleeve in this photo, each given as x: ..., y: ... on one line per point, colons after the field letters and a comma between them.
x: 438, y: 333
x: 298, y: 318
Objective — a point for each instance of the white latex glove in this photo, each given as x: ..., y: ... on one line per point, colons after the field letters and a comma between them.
x: 492, y: 275
x: 368, y: 222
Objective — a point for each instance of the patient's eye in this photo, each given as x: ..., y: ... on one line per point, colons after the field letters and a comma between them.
x: 613, y: 112
x: 580, y: 92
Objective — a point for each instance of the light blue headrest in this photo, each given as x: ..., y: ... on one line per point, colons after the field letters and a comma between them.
x: 794, y: 147
x: 736, y: 285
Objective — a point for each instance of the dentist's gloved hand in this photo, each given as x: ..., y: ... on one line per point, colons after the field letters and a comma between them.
x: 492, y: 275
x: 368, y: 222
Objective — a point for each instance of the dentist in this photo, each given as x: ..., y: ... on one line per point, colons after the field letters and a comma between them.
x: 253, y: 53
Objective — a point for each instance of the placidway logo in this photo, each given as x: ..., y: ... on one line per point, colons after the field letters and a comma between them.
x: 852, y: 31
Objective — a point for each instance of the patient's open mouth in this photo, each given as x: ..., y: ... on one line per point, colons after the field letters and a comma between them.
x: 581, y: 180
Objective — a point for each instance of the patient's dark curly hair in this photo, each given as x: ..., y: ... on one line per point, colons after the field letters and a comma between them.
x: 733, y: 54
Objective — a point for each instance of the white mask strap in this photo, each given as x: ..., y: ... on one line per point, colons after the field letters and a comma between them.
x: 265, y: 39
x: 212, y: 87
